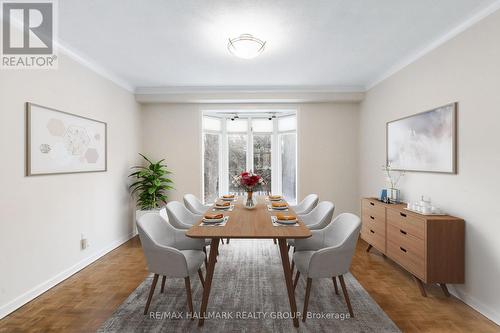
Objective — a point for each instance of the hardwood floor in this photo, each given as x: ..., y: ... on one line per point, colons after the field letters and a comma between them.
x: 85, y: 300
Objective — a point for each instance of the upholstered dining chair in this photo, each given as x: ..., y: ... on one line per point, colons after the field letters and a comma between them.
x: 169, y: 253
x: 328, y: 254
x: 195, y: 206
x: 181, y: 218
x: 307, y: 204
x: 319, y: 217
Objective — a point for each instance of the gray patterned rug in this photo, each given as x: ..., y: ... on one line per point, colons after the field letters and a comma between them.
x: 249, y: 295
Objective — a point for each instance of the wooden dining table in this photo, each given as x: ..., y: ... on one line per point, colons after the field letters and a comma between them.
x: 248, y: 224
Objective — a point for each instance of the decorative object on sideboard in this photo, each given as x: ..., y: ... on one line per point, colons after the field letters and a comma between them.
x: 150, y: 183
x: 58, y: 142
x: 425, y: 141
x: 392, y: 177
x: 424, y: 207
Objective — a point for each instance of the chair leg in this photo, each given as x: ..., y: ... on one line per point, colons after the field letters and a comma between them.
x: 296, y: 280
x: 163, y: 279
x: 293, y: 262
x: 222, y: 240
x: 151, y: 292
x: 227, y: 240
x: 274, y: 241
x: 189, y: 299
x: 335, y: 285
x: 206, y: 260
x: 200, y: 274
x: 306, y: 299
x: 288, y: 247
x: 346, y: 295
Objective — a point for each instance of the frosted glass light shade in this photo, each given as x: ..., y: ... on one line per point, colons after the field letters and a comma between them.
x: 246, y: 46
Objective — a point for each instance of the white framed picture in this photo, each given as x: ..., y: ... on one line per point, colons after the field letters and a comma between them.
x: 425, y: 142
x: 58, y: 142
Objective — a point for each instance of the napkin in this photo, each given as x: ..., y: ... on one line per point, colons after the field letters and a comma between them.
x: 283, y: 217
x: 279, y: 204
x: 213, y: 216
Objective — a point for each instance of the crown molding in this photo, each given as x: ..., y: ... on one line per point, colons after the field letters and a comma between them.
x: 436, y: 43
x: 62, y: 47
x: 93, y: 66
x: 249, y: 94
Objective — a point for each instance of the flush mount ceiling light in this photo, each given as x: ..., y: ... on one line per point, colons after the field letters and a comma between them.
x: 246, y: 46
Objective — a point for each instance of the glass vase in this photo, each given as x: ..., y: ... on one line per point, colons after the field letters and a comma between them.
x: 249, y: 202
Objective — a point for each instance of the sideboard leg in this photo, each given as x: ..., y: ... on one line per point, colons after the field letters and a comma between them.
x: 445, y: 289
x: 369, y: 248
x: 420, y: 286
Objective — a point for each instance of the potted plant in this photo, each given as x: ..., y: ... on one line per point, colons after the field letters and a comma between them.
x: 150, y: 184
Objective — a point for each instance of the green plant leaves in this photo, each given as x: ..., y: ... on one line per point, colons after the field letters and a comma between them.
x: 150, y: 183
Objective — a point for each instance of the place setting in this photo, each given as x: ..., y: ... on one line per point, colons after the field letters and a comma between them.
x: 282, y: 220
x: 214, y: 220
x: 276, y: 203
x: 224, y: 205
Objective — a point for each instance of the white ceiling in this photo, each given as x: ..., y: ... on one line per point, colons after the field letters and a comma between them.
x: 332, y: 43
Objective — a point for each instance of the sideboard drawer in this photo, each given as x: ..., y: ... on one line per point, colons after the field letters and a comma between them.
x: 375, y: 222
x: 373, y: 208
x: 373, y: 237
x: 406, y: 258
x: 412, y: 225
x: 404, y: 239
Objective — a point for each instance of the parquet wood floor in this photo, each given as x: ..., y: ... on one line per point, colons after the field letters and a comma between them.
x: 85, y: 300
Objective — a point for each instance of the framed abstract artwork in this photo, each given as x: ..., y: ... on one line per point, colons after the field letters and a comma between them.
x: 425, y: 142
x: 58, y: 142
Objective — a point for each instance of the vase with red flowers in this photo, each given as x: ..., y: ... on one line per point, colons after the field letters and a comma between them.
x: 249, y: 182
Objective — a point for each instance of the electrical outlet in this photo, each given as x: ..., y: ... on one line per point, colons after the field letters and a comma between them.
x: 84, y: 243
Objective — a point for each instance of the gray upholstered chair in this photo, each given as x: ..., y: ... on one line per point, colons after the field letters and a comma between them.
x: 306, y: 205
x: 194, y: 204
x: 180, y: 217
x: 169, y: 253
x: 328, y: 254
x: 319, y: 217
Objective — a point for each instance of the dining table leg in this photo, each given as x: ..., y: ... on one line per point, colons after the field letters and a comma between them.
x: 288, y: 279
x: 214, y: 246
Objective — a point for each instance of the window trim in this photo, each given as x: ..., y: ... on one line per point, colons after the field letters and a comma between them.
x: 276, y: 162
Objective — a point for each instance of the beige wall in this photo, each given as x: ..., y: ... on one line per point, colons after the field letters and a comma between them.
x: 327, y: 144
x: 42, y: 218
x: 467, y: 70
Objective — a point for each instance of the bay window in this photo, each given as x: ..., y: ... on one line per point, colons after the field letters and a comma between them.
x: 249, y: 142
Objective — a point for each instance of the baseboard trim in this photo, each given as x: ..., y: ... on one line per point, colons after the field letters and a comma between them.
x: 486, y: 311
x: 28, y: 296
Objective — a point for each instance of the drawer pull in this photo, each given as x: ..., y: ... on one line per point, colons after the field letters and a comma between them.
x: 402, y: 249
x: 372, y: 217
x: 403, y: 232
x: 372, y: 231
x: 371, y: 203
x: 402, y: 214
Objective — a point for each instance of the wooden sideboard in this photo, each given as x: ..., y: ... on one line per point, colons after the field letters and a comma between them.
x: 431, y: 248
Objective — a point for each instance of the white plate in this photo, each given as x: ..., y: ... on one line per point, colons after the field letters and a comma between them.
x: 286, y: 221
x: 212, y: 220
x: 227, y: 199
x: 279, y: 208
x: 222, y: 207
x: 270, y: 199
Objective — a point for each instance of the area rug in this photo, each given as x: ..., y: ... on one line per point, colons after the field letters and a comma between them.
x: 249, y: 295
